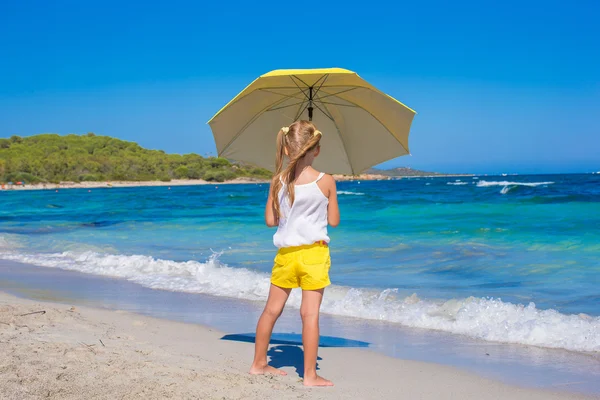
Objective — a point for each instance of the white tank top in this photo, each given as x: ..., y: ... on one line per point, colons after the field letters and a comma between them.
x: 305, y: 222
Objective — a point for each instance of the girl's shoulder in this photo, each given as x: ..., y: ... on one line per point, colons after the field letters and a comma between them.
x: 326, y: 183
x: 326, y: 178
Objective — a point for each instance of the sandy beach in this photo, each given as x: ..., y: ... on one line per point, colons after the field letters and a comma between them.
x: 56, y: 351
x: 174, y: 182
x: 192, y: 182
x: 111, y: 184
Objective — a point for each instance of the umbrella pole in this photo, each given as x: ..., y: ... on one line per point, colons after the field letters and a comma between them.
x: 310, y: 103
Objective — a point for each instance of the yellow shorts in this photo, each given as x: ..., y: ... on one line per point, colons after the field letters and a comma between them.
x: 306, y: 267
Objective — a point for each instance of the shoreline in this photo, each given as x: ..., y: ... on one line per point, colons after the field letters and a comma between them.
x: 68, y: 352
x: 196, y: 182
x: 513, y: 364
x: 121, y: 184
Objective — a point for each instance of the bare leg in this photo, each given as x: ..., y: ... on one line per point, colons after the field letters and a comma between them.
x: 309, y: 310
x: 275, y: 303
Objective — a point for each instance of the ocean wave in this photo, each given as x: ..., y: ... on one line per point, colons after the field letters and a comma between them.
x: 481, y: 318
x: 507, y: 183
x: 457, y: 183
x: 508, y: 186
x: 350, y: 193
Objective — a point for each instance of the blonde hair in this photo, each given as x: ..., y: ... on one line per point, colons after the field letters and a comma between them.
x: 299, y: 138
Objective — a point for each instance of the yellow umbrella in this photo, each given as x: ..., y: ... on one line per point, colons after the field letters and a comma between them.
x: 361, y: 125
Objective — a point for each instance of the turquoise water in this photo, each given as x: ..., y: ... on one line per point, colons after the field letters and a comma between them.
x: 512, y: 259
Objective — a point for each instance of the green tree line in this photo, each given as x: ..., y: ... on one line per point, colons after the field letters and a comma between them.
x: 54, y: 158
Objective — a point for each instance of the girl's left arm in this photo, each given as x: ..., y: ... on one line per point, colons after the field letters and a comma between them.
x: 270, y: 218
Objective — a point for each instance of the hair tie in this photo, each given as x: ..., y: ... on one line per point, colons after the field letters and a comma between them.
x: 317, y: 132
x: 285, y: 130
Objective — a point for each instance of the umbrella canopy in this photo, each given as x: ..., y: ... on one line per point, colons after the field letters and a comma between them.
x: 361, y: 125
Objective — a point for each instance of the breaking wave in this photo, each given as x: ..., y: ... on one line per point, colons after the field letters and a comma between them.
x: 350, y: 193
x: 481, y: 318
x: 508, y: 186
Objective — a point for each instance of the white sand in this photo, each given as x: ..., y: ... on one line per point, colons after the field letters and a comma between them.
x: 110, y: 184
x: 174, y: 182
x: 86, y: 353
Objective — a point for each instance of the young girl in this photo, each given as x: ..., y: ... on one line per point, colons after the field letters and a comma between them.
x: 302, y: 201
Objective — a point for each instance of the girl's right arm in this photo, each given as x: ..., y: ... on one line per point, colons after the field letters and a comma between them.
x: 333, y: 209
x: 270, y: 218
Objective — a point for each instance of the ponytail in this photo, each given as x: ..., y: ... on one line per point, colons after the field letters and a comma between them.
x: 276, y: 183
x: 287, y: 176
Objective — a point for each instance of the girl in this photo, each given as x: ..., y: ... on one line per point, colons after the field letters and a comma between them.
x: 302, y: 201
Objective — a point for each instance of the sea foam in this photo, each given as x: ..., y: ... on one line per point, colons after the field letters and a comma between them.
x: 345, y: 192
x: 507, y: 183
x: 508, y: 186
x: 482, y: 318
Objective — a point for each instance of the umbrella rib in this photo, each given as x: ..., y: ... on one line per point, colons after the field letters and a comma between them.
x: 324, y: 77
x: 282, y: 94
x: 236, y: 99
x: 335, y: 94
x: 325, y: 86
x: 338, y: 104
x: 352, y: 87
x: 295, y: 77
x: 305, y: 96
x: 301, y: 111
x: 381, y: 123
x: 327, y: 114
x: 298, y: 86
x: 348, y: 88
x: 317, y: 99
x: 254, y: 118
x: 317, y: 91
x: 276, y: 87
x: 286, y: 106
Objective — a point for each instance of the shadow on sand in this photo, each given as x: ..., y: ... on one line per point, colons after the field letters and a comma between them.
x: 288, y: 352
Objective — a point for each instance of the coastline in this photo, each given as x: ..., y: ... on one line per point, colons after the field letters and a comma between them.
x: 174, y: 182
x: 195, y: 182
x: 72, y: 352
x: 115, y: 184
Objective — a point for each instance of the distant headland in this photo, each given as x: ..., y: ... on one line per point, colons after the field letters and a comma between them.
x: 49, y: 161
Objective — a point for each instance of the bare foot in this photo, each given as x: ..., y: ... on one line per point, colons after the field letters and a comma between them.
x: 317, y: 381
x: 265, y: 370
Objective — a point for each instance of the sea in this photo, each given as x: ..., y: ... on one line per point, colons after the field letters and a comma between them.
x: 469, y: 261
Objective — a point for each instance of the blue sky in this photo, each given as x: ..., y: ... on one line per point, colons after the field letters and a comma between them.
x: 505, y: 87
